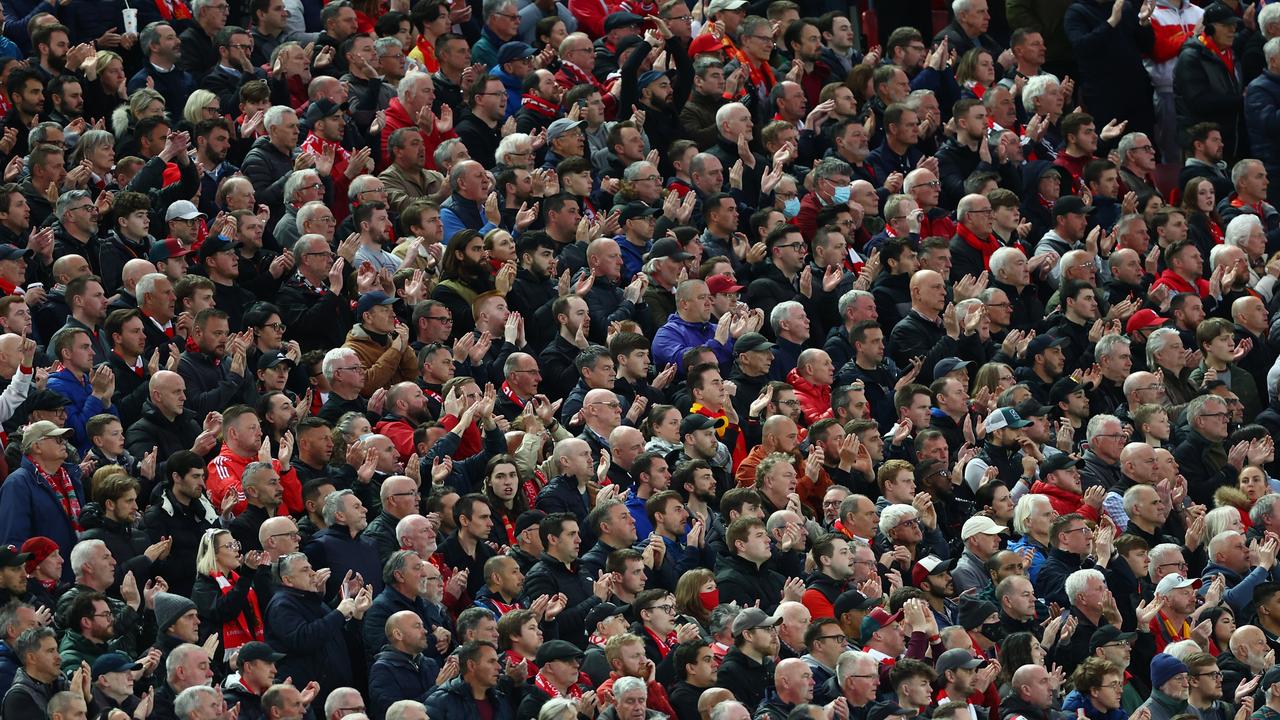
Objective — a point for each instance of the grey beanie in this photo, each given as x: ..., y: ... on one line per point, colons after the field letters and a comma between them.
x: 169, y: 608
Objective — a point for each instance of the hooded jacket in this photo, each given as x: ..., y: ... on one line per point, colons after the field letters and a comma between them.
x: 168, y: 518
x: 678, y: 335
x: 398, y: 676
x: 745, y: 678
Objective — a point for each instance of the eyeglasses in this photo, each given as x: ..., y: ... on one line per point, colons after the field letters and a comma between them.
x: 1179, y: 565
x: 913, y: 522
x: 838, y: 638
x: 241, y: 46
x: 313, y: 186
x: 609, y: 403
x: 444, y: 319
x: 647, y: 178
x: 1083, y: 528
x: 1216, y: 674
x: 356, y: 368
x: 684, y: 18
x: 1119, y: 436
x: 1000, y: 305
x: 664, y: 608
x: 509, y: 16
x: 1112, y: 685
x: 1215, y: 415
x: 108, y: 614
x: 791, y: 246
x: 931, y: 183
x: 1144, y: 148
x: 233, y: 545
x: 383, y: 190
x: 413, y: 493
x: 767, y: 38
x: 277, y: 326
x: 293, y: 534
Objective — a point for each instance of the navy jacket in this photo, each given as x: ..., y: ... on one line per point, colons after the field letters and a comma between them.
x: 396, y: 676
x: 335, y: 549
x: 453, y: 701
x: 174, y: 85
x: 550, y: 576
x: 32, y: 508
x: 310, y: 633
x: 387, y: 603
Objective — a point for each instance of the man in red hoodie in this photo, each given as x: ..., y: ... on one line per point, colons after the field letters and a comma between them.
x: 242, y: 445
x: 812, y: 378
x: 1183, y: 270
x: 1060, y: 482
x: 406, y: 409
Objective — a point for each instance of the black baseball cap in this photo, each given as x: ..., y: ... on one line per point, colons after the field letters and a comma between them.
x: 603, y: 611
x: 694, y: 422
x: 10, y: 557
x: 750, y: 342
x: 1070, y: 204
x: 1108, y: 634
x: 259, y: 651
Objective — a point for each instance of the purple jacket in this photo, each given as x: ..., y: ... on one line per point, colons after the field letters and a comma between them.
x: 679, y: 335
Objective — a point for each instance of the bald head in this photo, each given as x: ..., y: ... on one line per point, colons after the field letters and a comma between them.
x: 10, y: 343
x: 133, y: 272
x: 778, y: 426
x: 791, y: 682
x: 921, y: 278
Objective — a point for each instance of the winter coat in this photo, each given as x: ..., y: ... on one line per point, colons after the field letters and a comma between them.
x: 916, y: 336
x: 186, y: 525
x: 385, y: 604
x: 31, y: 507
x: 1203, y: 465
x: 561, y: 495
x: 113, y: 252
x: 312, y: 636
x: 267, y: 169
x: 453, y: 701
x: 315, y: 317
x: 211, y: 384
x: 747, y: 679
x: 815, y: 400
x: 1113, y: 83
x: 216, y: 609
x: 679, y: 335
x: 153, y: 429
x: 387, y: 366
x: 397, y: 676
x: 1262, y: 119
x: 83, y: 405
x: 550, y: 576
x: 1206, y: 91
x: 27, y: 698
x: 334, y: 548
x: 743, y: 581
x: 125, y: 542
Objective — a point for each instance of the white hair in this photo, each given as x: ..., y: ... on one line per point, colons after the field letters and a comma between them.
x: 402, y: 527
x: 558, y: 709
x: 961, y: 6
x: 628, y: 684
x: 509, y: 144
x: 1096, y: 422
x: 894, y: 515
x: 1267, y: 16
x: 848, y: 299
x: 1219, y: 540
x: 1239, y: 229
x: 332, y: 358
x: 722, y: 710
x: 1036, y: 88
x: 1156, y: 342
x: 307, y: 212
x: 780, y: 313
x: 1107, y: 343
x: 187, y: 701
x: 177, y: 657
x: 1272, y: 48
x: 401, y: 708
x: 1183, y: 649
x: 1158, y: 554
x: 849, y: 660
x: 295, y: 181
x: 1128, y: 142
x: 275, y: 115
x: 334, y: 701
x: 408, y: 84
x: 1001, y: 258
x: 1131, y: 497
x: 83, y: 553
x: 1079, y: 580
x: 1025, y: 508
x: 1215, y: 521
x: 147, y: 284
x: 1219, y: 251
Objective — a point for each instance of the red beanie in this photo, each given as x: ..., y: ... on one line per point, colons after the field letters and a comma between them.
x: 40, y: 549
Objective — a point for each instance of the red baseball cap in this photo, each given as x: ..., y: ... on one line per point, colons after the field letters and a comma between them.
x: 1144, y: 318
x: 722, y: 284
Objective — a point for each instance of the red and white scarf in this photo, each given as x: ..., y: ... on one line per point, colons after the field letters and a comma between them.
x: 574, y: 691
x: 236, y: 632
x: 62, y: 486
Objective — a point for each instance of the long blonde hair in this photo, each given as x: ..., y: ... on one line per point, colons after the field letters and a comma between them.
x: 207, y: 552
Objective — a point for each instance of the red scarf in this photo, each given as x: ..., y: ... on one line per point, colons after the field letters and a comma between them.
x: 62, y: 486
x: 236, y: 632
x: 762, y: 75
x: 545, y: 108
x: 8, y: 288
x: 574, y: 691
x: 532, y: 487
x: 428, y: 55
x: 514, y: 658
x: 171, y: 10
x: 986, y: 247
x: 510, y: 528
x: 1226, y: 55
x: 511, y: 395
x: 1216, y: 231
x: 664, y: 645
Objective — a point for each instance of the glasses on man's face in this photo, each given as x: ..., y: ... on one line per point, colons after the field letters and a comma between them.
x: 1112, y: 685
x: 608, y: 403
x: 913, y: 522
x: 293, y: 534
x: 791, y: 246
x: 1216, y: 674
x: 842, y: 639
x: 442, y: 319
x: 1178, y: 565
x: 318, y: 254
x: 277, y: 326
x: 409, y: 493
x: 353, y: 368
x: 104, y: 614
x: 1215, y: 415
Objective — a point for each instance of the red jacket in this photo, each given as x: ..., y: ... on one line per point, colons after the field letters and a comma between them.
x: 398, y: 117
x: 400, y: 432
x: 815, y: 400
x: 1064, y: 501
x: 1179, y: 284
x: 223, y: 476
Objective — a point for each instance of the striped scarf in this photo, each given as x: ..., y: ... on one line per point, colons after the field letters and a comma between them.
x: 65, y: 490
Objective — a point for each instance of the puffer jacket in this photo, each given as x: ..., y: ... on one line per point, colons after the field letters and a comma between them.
x: 742, y: 581
x: 453, y: 701
x: 387, y: 366
x: 678, y: 335
x: 1206, y: 91
x: 815, y: 400
x: 268, y: 169
x: 1262, y: 118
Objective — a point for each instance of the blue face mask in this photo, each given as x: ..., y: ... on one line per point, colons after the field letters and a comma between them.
x: 791, y: 208
x: 841, y: 195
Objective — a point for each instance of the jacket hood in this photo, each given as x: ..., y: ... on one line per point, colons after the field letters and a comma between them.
x: 93, y: 516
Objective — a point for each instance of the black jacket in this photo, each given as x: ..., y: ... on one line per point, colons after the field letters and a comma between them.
x: 914, y: 336
x: 453, y: 701
x: 397, y: 676
x: 957, y: 162
x: 381, y: 531
x: 114, y: 251
x: 335, y: 549
x: 124, y: 541
x: 550, y: 576
x: 1050, y: 583
x: 387, y: 603
x: 267, y: 169
x: 153, y: 429
x: 250, y: 703
x: 559, y: 374
x: 316, y: 318
x: 1205, y: 90
x: 186, y: 525
x: 1112, y: 82
x: 216, y: 609
x: 561, y: 495
x: 747, y: 679
x: 1203, y: 465
x: 312, y: 635
x: 532, y: 298
x: 743, y: 581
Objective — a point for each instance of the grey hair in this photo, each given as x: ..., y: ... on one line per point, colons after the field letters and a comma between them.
x: 147, y: 37
x: 848, y: 660
x: 632, y: 171
x: 1002, y: 257
x: 303, y: 244
x: 1157, y: 341
x: 725, y: 110
x: 1262, y: 508
x: 1158, y: 553
x: 1216, y: 543
x: 553, y: 709
x: 1110, y: 342
x: 1182, y: 649
x: 178, y: 656
x: 915, y: 99
x: 62, y: 703
x: 698, y: 163
x: 722, y: 710
x: 68, y: 197
x: 1123, y: 224
x: 306, y: 213
x: 1218, y: 251
x: 1269, y: 15
x: 9, y: 617
x: 780, y: 313
x: 1022, y: 511
x: 40, y: 133
x: 332, y: 358
x: 894, y: 515
x: 1078, y: 580
x: 334, y: 701
x: 396, y: 562
x: 284, y: 565
x: 704, y: 64
x: 333, y: 505
x: 628, y: 684
x: 402, y: 527
x: 1131, y: 498
x: 89, y: 140
x: 1036, y: 88
x: 1071, y: 257
x: 408, y: 84
x: 965, y: 204
x: 1197, y: 406
x: 275, y: 115
x: 249, y: 475
x: 296, y: 178
x: 1241, y: 226
x: 848, y: 299
x: 1127, y: 142
x: 493, y: 7
x: 359, y: 184
x: 82, y: 552
x: 1094, y: 429
x: 1240, y: 168
x: 722, y: 618
x: 959, y: 6
x: 510, y: 144
x: 828, y: 168
x: 444, y: 150
x: 382, y: 46
x: 1272, y: 48
x: 147, y: 284
x: 188, y: 699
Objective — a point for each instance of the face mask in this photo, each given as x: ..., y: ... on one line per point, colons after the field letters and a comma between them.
x: 841, y: 195
x: 791, y: 208
x: 710, y: 599
x: 994, y: 631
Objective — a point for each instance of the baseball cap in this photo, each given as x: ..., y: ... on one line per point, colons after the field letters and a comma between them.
x: 853, y: 600
x: 1059, y: 461
x: 1063, y: 388
x: 705, y: 43
x: 1144, y: 318
x: 114, y: 662
x: 318, y: 110
x: 981, y: 525
x: 668, y: 248
x: 1219, y: 13
x: 877, y: 619
x: 890, y: 709
x: 216, y: 244
x: 182, y: 210
x: 1108, y: 634
x: 633, y: 210
x: 528, y: 519
x: 718, y: 5
x: 751, y: 342
x: 39, y: 430
x: 49, y: 400
x: 13, y: 252
x: 695, y: 422
x: 1005, y: 417
x: 1040, y: 343
x: 557, y: 650
x: 930, y: 565
x: 1032, y: 408
x: 955, y: 659
x: 272, y: 359
x: 753, y: 618
x: 718, y: 284
x: 258, y: 650
x: 370, y: 300
x: 972, y: 612
x: 10, y: 557
x: 515, y: 50
x: 562, y: 126
x: 603, y: 611
x: 1070, y: 204
x: 613, y: 21
x: 1169, y: 583
x: 166, y: 249
x: 648, y: 78
x: 949, y: 365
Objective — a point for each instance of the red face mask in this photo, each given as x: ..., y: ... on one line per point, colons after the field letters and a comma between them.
x: 710, y: 599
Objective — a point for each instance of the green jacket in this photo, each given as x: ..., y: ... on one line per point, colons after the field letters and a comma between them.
x: 1242, y: 384
x: 76, y: 648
